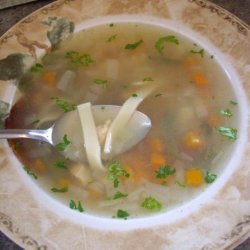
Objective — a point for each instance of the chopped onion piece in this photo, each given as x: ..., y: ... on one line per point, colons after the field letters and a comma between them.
x: 93, y: 149
x: 123, y: 117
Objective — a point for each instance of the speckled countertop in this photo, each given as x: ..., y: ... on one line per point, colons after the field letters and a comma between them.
x: 9, y: 16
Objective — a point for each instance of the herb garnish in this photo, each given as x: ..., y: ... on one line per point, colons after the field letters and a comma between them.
x: 157, y: 95
x: 67, y: 107
x: 100, y: 82
x: 29, y: 172
x: 17, y: 145
x: 180, y: 184
x: 132, y: 46
x: 115, y: 170
x: 210, y: 177
x: 78, y: 206
x: 60, y: 164
x: 159, y: 43
x: 111, y: 25
x: 147, y: 79
x: 151, y: 203
x: 78, y: 59
x: 119, y: 195
x: 111, y: 38
x: 59, y: 190
x: 230, y: 133
x: 36, y: 68
x: 61, y: 146
x: 201, y: 52
x: 164, y: 171
x: 35, y: 122
x: 122, y: 214
x: 134, y: 95
x: 233, y: 102
x: 226, y: 112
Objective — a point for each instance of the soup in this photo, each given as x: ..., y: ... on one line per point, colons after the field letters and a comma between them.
x: 191, y: 105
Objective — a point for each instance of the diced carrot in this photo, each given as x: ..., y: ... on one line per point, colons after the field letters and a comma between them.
x: 214, y: 120
x: 157, y: 160
x: 200, y: 79
x: 39, y: 166
x: 193, y: 140
x: 49, y: 79
x: 63, y: 183
x: 156, y: 144
x: 141, y: 174
x: 191, y: 62
x: 194, y: 177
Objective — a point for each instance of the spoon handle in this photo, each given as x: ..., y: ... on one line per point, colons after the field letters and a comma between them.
x: 35, y: 134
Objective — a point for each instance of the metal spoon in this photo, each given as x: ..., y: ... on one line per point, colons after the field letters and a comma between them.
x: 69, y: 124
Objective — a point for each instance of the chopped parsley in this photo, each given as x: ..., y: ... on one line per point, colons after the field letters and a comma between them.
x: 134, y: 95
x: 159, y: 45
x: 61, y: 146
x: 230, y: 133
x: 111, y: 25
x: 112, y: 38
x: 76, y: 206
x: 151, y: 204
x: 180, y: 184
x: 122, y: 214
x: 233, y: 102
x: 67, y: 107
x: 226, y: 112
x: 164, y: 171
x: 114, y: 171
x: 157, y: 95
x: 201, y: 52
x: 29, y: 172
x: 17, y: 145
x: 100, y: 82
x: 78, y: 59
x: 35, y: 122
x: 36, y: 68
x: 132, y: 46
x: 119, y: 195
x: 210, y: 177
x: 59, y: 190
x: 60, y: 164
x: 147, y: 79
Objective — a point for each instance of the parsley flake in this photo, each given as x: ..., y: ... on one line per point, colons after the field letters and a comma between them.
x: 78, y: 59
x: 151, y: 204
x: 114, y: 171
x: 148, y: 79
x: 157, y: 95
x: 132, y: 46
x: 180, y: 184
x: 226, y: 112
x: 233, y: 102
x: 67, y: 107
x: 36, y: 68
x: 210, y: 177
x: 17, y: 145
x: 76, y: 206
x: 159, y: 45
x: 230, y: 133
x: 61, y: 146
x: 164, y: 171
x: 122, y: 214
x: 100, y: 82
x: 29, y: 172
x: 201, y: 52
x: 119, y: 195
x: 134, y: 95
x: 59, y: 190
x: 60, y: 164
x: 112, y: 38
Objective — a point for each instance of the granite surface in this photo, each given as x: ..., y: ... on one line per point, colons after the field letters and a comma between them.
x: 10, y: 16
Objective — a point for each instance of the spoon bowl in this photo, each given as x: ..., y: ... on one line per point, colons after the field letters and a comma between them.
x: 69, y: 124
